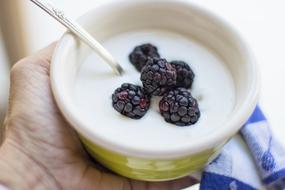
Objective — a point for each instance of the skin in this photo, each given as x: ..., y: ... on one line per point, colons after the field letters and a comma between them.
x: 41, y: 151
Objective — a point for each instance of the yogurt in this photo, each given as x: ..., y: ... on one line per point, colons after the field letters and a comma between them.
x: 213, y: 87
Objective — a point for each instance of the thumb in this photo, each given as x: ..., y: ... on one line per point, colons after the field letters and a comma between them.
x: 30, y: 81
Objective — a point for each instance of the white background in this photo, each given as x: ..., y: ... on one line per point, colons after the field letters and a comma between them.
x: 261, y: 23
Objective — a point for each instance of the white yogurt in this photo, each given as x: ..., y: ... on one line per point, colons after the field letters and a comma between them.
x: 213, y: 87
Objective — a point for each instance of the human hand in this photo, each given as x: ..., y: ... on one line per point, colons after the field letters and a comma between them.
x: 41, y: 151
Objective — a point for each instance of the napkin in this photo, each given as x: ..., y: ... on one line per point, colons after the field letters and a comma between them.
x: 260, y: 164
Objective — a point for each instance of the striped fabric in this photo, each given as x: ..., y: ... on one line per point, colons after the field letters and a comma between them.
x: 233, y: 169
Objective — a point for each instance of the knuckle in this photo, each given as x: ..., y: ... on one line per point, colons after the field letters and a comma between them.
x: 28, y: 65
x: 19, y: 70
x: 19, y: 66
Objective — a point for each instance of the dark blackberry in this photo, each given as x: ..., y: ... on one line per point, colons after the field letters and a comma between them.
x: 179, y: 107
x: 158, y: 76
x: 141, y: 53
x: 185, y: 75
x: 131, y: 101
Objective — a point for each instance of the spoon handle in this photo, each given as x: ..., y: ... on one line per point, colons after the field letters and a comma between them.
x: 80, y: 32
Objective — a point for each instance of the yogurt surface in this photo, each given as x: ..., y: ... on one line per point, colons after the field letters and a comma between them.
x: 213, y: 87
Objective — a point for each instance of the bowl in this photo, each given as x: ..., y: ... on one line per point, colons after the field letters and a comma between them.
x: 178, y: 16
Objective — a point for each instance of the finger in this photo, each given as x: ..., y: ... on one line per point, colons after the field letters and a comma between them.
x: 168, y: 185
x: 32, y: 111
x: 33, y: 64
x: 182, y: 183
x: 30, y: 86
x: 45, y: 53
x: 30, y: 79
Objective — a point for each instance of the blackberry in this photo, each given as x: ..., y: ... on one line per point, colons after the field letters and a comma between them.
x: 131, y: 101
x: 158, y: 76
x: 185, y: 75
x: 179, y: 107
x: 141, y: 53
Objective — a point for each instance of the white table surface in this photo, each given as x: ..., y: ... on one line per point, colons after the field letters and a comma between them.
x: 261, y: 23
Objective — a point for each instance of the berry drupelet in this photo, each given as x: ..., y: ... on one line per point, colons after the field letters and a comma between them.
x: 158, y: 76
x: 131, y: 101
x: 141, y: 53
x: 185, y: 75
x: 179, y: 107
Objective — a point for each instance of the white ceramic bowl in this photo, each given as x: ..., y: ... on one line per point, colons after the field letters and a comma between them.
x: 178, y: 16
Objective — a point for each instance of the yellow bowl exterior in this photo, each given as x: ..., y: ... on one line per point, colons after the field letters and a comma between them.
x: 150, y: 169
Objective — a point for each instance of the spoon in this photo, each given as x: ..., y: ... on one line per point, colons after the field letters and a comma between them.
x: 80, y: 32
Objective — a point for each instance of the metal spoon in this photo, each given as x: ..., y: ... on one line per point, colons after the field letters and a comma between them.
x: 80, y: 32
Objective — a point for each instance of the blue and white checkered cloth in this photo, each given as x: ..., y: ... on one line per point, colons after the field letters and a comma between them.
x: 234, y: 168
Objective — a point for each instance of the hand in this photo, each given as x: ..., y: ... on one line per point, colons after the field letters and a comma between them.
x: 40, y: 150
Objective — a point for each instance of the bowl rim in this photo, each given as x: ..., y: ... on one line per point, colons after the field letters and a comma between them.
x: 217, y: 138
